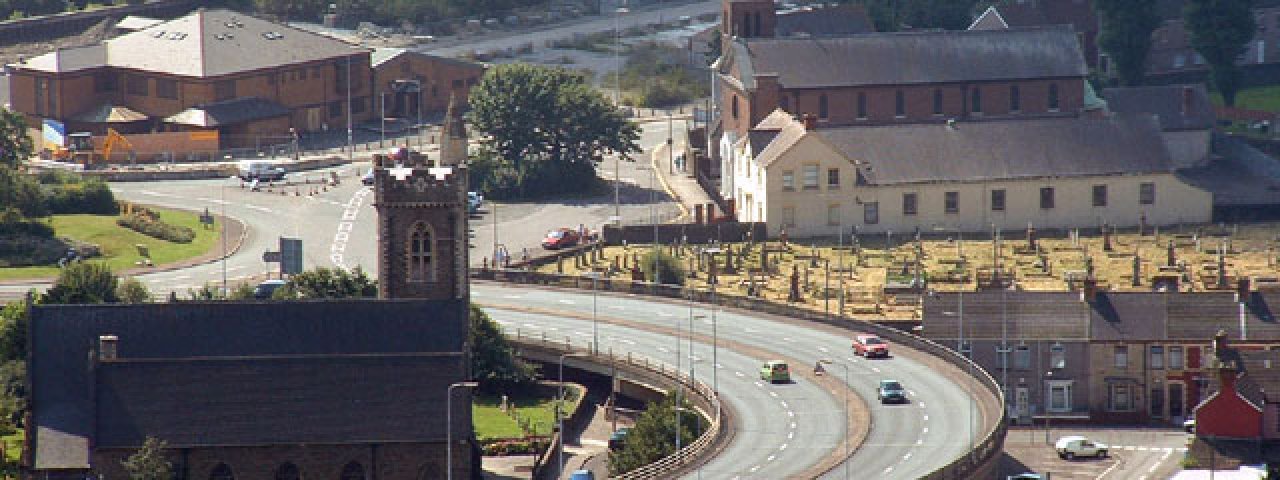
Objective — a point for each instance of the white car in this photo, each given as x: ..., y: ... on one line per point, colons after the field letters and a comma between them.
x: 1077, y: 446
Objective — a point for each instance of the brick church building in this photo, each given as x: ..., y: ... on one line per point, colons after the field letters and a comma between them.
x: 341, y: 389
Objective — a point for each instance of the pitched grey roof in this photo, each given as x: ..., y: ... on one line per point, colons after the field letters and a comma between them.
x: 917, y: 57
x: 230, y: 112
x: 1003, y: 149
x: 1014, y: 315
x: 61, y: 337
x: 1166, y: 103
x: 1128, y: 316
x: 848, y: 19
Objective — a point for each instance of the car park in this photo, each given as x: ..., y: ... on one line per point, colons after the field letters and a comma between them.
x: 870, y: 346
x: 1073, y: 446
x: 775, y: 371
x: 560, y: 238
x: 890, y: 391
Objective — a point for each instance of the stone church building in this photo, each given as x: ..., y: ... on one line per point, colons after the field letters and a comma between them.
x: 249, y: 390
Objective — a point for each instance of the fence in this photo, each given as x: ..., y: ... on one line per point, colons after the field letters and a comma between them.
x: 704, y: 399
x: 971, y: 465
x: 687, y: 232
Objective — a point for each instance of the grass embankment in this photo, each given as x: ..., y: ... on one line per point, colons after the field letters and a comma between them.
x: 1255, y: 98
x: 536, y: 411
x: 118, y: 244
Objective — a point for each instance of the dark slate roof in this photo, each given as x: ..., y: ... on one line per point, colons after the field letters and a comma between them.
x: 1077, y: 13
x: 1004, y: 149
x: 1166, y: 103
x: 230, y: 112
x: 270, y: 401
x: 1261, y: 380
x: 848, y: 19
x: 1127, y: 316
x: 918, y: 57
x: 1200, y: 316
x: 61, y: 337
x: 1023, y: 315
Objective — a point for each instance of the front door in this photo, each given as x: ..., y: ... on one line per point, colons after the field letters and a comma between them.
x: 1175, y: 401
x: 1021, y: 401
x: 1157, y: 402
x: 313, y: 119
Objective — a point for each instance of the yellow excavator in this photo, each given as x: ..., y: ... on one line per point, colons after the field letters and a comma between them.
x: 81, y: 147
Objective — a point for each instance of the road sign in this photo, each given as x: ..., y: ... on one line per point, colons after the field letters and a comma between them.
x: 271, y: 257
x: 290, y: 255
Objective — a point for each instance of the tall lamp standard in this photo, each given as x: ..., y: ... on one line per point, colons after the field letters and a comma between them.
x: 560, y: 409
x: 351, y: 145
x: 617, y: 103
x: 847, y: 386
x: 448, y: 429
x: 965, y: 350
x: 1048, y: 376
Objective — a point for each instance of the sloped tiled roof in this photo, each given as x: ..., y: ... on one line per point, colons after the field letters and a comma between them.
x: 1003, y: 149
x: 915, y: 57
x: 1015, y: 315
x: 1128, y: 316
x: 230, y: 112
x: 847, y: 19
x: 1202, y: 315
x: 1166, y: 103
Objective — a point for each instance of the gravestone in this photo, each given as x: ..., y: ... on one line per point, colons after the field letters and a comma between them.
x: 794, y: 294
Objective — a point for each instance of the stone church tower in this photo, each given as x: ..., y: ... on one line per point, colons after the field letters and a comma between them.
x: 422, y: 219
x: 747, y: 19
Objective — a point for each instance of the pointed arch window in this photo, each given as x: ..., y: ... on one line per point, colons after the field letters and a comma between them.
x: 421, y: 250
x: 353, y: 471
x: 221, y: 472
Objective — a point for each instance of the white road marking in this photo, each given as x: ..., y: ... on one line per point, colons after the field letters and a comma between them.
x: 513, y: 296
x: 876, y: 369
x: 773, y: 394
x: 926, y: 418
x: 791, y: 413
x: 617, y: 307
x: 566, y: 301
x: 824, y: 349
x: 740, y: 374
x: 784, y: 404
x: 258, y: 208
x: 753, y: 469
x: 906, y: 457
x: 783, y: 447
x: 888, y: 469
x: 771, y: 457
x: 925, y: 431
x: 790, y: 435
x: 660, y: 314
x: 787, y: 339
x: 793, y: 425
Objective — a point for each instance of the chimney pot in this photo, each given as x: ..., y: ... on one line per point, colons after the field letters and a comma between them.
x: 108, y: 347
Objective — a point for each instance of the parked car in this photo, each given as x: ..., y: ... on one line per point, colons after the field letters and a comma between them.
x: 582, y: 474
x: 870, y: 346
x: 618, y: 438
x: 890, y: 391
x: 367, y: 179
x: 1073, y: 446
x: 560, y: 238
x: 474, y: 201
x: 255, y: 170
x: 1189, y: 424
x: 266, y: 289
x: 775, y: 371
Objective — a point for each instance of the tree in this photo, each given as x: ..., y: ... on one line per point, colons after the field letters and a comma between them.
x: 1219, y: 30
x: 14, y: 319
x: 328, y: 283
x: 660, y: 267
x: 651, y: 438
x: 493, y: 360
x: 83, y: 282
x: 133, y: 291
x: 243, y: 291
x: 149, y: 462
x: 15, y: 145
x: 1126, y: 28
x: 715, y: 46
x: 545, y: 127
x: 892, y: 15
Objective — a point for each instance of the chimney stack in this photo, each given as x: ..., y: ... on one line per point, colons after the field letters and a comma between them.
x: 108, y: 347
x: 810, y: 122
x: 1186, y: 100
x: 1090, y: 289
x: 1242, y: 289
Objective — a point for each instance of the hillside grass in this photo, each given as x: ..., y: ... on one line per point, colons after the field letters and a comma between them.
x: 491, y: 422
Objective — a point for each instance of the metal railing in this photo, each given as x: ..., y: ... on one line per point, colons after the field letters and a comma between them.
x: 704, y: 399
x: 965, y: 466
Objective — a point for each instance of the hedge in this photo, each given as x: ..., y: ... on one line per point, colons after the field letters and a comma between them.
x: 147, y: 223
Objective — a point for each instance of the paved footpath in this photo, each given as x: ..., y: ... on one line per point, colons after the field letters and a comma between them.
x: 680, y: 184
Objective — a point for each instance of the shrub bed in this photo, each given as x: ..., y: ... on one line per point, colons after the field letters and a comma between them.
x: 515, y: 446
x: 147, y: 222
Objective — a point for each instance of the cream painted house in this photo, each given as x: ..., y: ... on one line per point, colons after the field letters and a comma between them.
x: 1047, y: 172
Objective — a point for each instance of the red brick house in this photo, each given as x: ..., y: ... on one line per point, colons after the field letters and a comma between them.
x: 1246, y: 404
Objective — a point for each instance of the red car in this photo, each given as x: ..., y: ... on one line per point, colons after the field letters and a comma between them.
x: 869, y: 346
x: 560, y: 238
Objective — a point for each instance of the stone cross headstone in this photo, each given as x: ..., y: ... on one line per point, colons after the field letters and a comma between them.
x: 1172, y: 254
x: 794, y: 294
x: 1031, y: 237
x: 783, y: 236
x: 1142, y: 224
x: 729, y: 267
x: 1137, y: 270
x: 1106, y: 238
x: 1222, y: 268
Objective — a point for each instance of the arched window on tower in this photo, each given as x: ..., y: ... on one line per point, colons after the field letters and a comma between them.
x: 221, y: 472
x: 421, y: 243
x: 353, y: 471
x: 288, y: 471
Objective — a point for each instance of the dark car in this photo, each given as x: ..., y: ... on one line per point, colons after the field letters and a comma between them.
x: 560, y: 238
x: 266, y: 289
x: 891, y: 391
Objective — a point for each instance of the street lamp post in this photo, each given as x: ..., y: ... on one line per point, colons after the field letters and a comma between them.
x: 595, y: 324
x: 962, y: 348
x: 1047, y: 400
x: 845, y: 428
x: 448, y: 429
x: 351, y: 145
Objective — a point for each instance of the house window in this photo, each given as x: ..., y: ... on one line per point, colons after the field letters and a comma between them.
x: 1059, y: 396
x: 833, y: 178
x: 951, y: 202
x: 871, y: 213
x: 822, y: 106
x: 353, y: 471
x: 788, y: 180
x: 224, y: 90
x: 1057, y: 356
x: 1175, y: 358
x: 997, y: 200
x: 136, y: 84
x: 909, y: 204
x: 288, y: 471
x: 335, y: 109
x: 420, y: 248
x: 1003, y: 353
x: 272, y: 78
x: 104, y: 82
x: 833, y: 215
x: 166, y: 88
x: 1046, y: 197
x: 976, y: 101
x: 1157, y: 357
x: 899, y: 104
x: 862, y: 106
x: 221, y: 472
x: 1022, y: 357
x: 358, y: 105
x: 810, y: 177
x: 937, y: 101
x: 1147, y: 193
x: 457, y: 84
x: 1099, y: 195
x: 789, y: 216
x: 1120, y: 397
x: 1053, y: 97
x: 1015, y: 99
x: 1179, y: 60
x: 1121, y: 356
